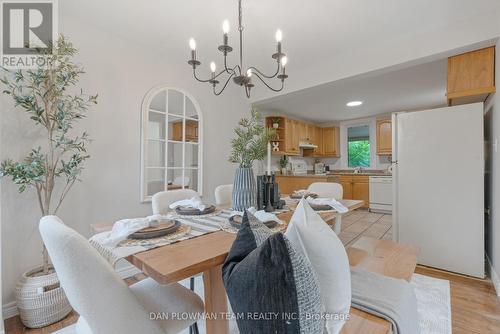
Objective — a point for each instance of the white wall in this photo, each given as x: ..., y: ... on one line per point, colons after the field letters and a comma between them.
x: 122, y: 73
x: 492, y: 178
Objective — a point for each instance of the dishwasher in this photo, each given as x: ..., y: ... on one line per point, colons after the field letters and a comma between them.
x: 381, y: 194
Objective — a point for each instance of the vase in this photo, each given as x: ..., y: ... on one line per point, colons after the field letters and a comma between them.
x: 41, y: 301
x: 244, y: 189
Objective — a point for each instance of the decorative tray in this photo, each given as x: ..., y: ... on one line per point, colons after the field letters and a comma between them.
x: 189, y: 211
x: 236, y: 221
x: 299, y: 196
x: 321, y: 207
x: 163, y: 228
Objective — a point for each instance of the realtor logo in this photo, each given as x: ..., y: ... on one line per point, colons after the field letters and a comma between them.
x: 28, y: 32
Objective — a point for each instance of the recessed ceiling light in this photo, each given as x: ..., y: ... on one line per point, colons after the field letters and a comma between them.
x: 354, y: 103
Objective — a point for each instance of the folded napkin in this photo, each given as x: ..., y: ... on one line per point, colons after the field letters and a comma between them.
x: 261, y: 215
x: 328, y: 201
x: 194, y: 203
x: 125, y: 227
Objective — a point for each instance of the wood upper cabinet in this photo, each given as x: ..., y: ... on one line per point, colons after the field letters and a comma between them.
x: 318, y: 141
x: 191, y: 131
x: 301, y: 130
x: 331, y: 139
x: 291, y: 137
x: 471, y: 76
x: 384, y: 137
x: 310, y: 133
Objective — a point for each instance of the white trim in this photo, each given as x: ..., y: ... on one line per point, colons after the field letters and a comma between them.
x: 494, y: 276
x: 9, y: 310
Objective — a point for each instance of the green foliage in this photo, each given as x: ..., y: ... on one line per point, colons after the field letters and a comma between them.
x: 359, y: 153
x: 251, y: 140
x: 45, y: 95
x: 283, y: 162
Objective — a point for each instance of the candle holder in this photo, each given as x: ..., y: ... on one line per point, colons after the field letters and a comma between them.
x: 269, y: 183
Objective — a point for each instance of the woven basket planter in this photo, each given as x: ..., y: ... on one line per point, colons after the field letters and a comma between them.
x: 40, y: 299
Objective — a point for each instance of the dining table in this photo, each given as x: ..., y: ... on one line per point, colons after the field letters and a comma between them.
x: 205, y: 255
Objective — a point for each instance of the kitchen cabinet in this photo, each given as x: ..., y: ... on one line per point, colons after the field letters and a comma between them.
x: 191, y: 131
x: 290, y: 183
x: 331, y: 139
x: 384, y: 137
x: 301, y: 130
x: 356, y: 187
x: 291, y: 137
x: 471, y: 76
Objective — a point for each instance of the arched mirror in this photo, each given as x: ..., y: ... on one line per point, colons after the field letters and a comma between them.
x: 171, y: 142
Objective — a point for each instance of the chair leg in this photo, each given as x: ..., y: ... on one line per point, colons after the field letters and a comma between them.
x: 193, y: 329
x: 191, y: 283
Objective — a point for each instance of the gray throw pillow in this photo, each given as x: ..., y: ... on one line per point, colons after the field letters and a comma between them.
x: 271, y: 286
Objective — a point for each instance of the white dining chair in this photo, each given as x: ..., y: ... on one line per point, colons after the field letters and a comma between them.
x: 160, y: 203
x: 223, y: 194
x: 104, y: 302
x: 161, y: 200
x: 327, y: 189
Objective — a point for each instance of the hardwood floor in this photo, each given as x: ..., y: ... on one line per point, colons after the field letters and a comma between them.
x: 475, y: 307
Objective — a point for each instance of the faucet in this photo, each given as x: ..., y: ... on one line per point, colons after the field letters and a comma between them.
x: 358, y: 170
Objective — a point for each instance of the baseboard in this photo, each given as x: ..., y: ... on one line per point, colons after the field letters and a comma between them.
x: 9, y: 310
x: 494, y: 276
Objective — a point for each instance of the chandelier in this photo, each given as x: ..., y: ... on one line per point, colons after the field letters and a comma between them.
x: 238, y: 73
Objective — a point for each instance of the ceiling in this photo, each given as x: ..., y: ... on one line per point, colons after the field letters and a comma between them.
x: 315, y: 35
x: 413, y: 88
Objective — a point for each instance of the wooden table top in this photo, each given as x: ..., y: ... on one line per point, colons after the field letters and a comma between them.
x: 181, y: 260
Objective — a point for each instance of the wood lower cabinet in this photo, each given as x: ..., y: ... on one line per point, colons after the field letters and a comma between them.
x: 356, y: 187
x: 290, y: 183
x: 384, y: 137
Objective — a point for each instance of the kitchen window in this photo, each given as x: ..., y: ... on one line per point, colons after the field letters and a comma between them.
x: 171, y: 142
x: 358, y: 146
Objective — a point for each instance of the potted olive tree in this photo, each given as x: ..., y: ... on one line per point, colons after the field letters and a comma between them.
x: 248, y: 145
x: 50, y: 98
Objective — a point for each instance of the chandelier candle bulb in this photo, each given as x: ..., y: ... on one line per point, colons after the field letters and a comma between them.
x: 192, y: 45
x: 279, y: 37
x: 225, y: 30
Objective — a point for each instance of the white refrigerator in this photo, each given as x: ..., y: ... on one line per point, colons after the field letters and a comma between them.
x: 438, y: 176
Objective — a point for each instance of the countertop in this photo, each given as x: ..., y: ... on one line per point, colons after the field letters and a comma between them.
x: 341, y: 172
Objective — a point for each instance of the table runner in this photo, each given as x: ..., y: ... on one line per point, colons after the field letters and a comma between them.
x: 198, y: 225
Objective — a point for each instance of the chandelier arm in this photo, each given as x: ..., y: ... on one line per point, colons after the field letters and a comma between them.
x: 271, y: 88
x: 223, y: 87
x: 200, y: 80
x: 267, y: 76
x: 228, y: 70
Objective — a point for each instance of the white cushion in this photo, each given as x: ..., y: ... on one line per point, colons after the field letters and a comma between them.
x: 169, y: 300
x: 312, y: 236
